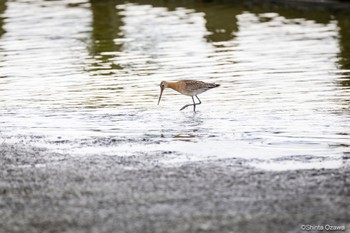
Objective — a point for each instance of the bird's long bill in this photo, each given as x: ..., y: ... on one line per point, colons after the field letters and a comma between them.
x: 160, y: 96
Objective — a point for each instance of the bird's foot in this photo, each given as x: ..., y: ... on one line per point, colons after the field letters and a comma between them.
x: 185, y: 106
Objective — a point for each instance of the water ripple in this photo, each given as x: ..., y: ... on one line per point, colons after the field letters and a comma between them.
x: 83, y: 77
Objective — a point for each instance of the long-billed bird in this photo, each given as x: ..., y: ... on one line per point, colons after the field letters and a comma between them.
x: 189, y: 88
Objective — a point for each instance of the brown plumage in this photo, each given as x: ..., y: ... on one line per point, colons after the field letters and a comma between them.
x: 187, y: 87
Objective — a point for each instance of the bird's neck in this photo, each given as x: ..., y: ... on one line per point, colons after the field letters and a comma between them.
x: 172, y: 85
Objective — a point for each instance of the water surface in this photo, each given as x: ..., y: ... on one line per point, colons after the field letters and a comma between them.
x: 83, y: 77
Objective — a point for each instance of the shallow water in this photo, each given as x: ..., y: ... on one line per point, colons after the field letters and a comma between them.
x: 83, y: 77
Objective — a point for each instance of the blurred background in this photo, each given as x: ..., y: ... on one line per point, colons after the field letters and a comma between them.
x: 83, y: 77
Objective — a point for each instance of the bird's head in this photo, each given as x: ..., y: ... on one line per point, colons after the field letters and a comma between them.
x: 162, y: 85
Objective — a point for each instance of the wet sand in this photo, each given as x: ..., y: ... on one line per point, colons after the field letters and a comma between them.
x: 42, y: 191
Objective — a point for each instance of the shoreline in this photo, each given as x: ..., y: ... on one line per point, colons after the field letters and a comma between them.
x: 49, y: 192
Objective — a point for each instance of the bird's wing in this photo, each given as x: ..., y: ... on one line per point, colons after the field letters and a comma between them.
x: 193, y: 85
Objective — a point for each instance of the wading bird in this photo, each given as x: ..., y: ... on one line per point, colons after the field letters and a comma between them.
x: 187, y: 87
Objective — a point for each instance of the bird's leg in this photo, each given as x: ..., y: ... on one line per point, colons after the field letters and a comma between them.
x: 198, y: 100
x: 187, y: 105
x: 194, y: 104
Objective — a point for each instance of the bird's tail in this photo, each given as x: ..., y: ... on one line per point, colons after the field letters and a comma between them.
x: 213, y: 85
